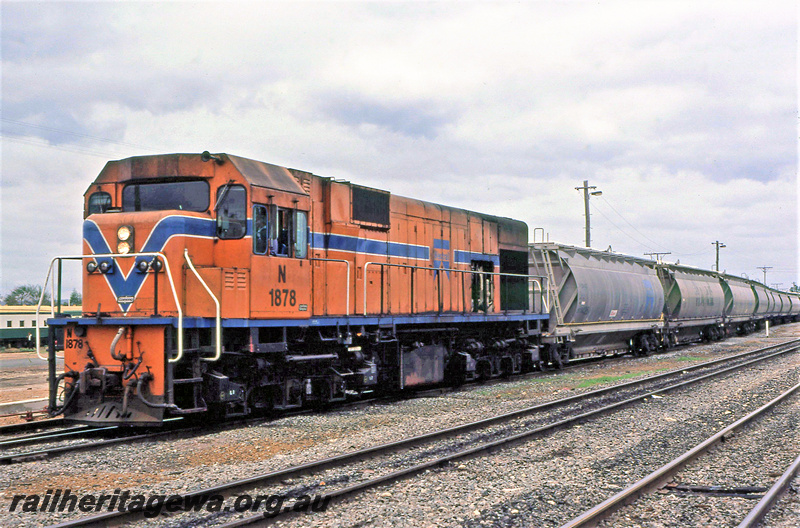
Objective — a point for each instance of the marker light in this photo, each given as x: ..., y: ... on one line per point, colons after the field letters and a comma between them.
x: 91, y: 267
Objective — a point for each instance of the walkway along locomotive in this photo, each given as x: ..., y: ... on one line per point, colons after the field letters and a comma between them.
x: 218, y: 284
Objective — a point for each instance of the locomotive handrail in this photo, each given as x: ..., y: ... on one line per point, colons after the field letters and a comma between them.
x: 38, y: 307
x: 218, y: 336
x: 113, y: 256
x: 424, y: 268
x: 347, y: 301
x: 534, y: 279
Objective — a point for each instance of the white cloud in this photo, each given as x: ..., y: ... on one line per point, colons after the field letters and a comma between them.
x: 683, y: 113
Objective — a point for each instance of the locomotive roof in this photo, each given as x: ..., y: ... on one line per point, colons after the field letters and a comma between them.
x: 266, y: 175
x: 255, y: 172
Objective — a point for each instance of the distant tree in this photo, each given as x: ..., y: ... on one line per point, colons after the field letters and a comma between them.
x: 26, y: 295
x: 75, y: 298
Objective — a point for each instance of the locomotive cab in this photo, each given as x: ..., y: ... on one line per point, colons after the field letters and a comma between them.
x: 184, y: 237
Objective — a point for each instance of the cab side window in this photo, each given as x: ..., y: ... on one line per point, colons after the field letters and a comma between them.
x: 279, y: 236
x: 231, y: 211
x: 99, y: 202
x: 301, y: 234
x: 260, y: 230
x: 287, y: 231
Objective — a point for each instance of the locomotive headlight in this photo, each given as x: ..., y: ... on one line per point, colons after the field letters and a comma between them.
x: 124, y: 233
x: 125, y: 239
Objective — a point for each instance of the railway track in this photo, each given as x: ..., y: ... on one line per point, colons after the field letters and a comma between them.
x: 37, y: 425
x: 640, y: 495
x: 402, y: 459
x: 69, y: 434
x: 771, y: 497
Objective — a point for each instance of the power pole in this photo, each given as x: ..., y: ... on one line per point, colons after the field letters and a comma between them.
x: 764, y: 269
x: 658, y: 255
x: 586, y: 187
x: 719, y: 245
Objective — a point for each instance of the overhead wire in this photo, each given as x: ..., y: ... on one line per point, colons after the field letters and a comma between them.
x: 77, y: 134
x: 630, y: 224
x: 704, y: 251
x: 600, y: 212
x: 74, y: 148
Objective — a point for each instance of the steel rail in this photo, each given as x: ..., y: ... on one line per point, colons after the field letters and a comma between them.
x: 760, y: 510
x: 55, y: 451
x: 109, y: 518
x: 665, y: 472
x: 529, y: 278
x: 487, y: 448
x: 28, y: 426
x: 44, y: 436
x: 218, y: 314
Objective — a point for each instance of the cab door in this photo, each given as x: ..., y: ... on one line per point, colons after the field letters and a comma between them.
x: 281, y: 273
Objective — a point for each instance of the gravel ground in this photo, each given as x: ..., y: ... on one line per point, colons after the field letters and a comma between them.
x: 786, y: 512
x: 549, y: 481
x: 24, y: 383
x: 515, y: 486
x: 754, y: 456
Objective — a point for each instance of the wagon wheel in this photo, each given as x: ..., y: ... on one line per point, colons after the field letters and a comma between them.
x: 561, y: 356
x: 644, y: 346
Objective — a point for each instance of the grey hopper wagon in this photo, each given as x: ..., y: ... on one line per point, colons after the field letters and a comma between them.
x: 600, y: 303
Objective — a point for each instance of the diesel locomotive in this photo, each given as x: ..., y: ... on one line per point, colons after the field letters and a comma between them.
x: 221, y: 285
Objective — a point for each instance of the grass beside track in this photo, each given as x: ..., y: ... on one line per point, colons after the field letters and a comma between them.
x: 608, y: 379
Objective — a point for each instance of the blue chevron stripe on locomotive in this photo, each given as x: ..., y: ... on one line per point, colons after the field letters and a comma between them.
x: 128, y: 286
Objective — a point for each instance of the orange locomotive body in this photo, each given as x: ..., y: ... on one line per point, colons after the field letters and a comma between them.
x: 218, y: 284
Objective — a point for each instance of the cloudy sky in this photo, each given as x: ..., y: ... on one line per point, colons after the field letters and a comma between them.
x: 683, y: 113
